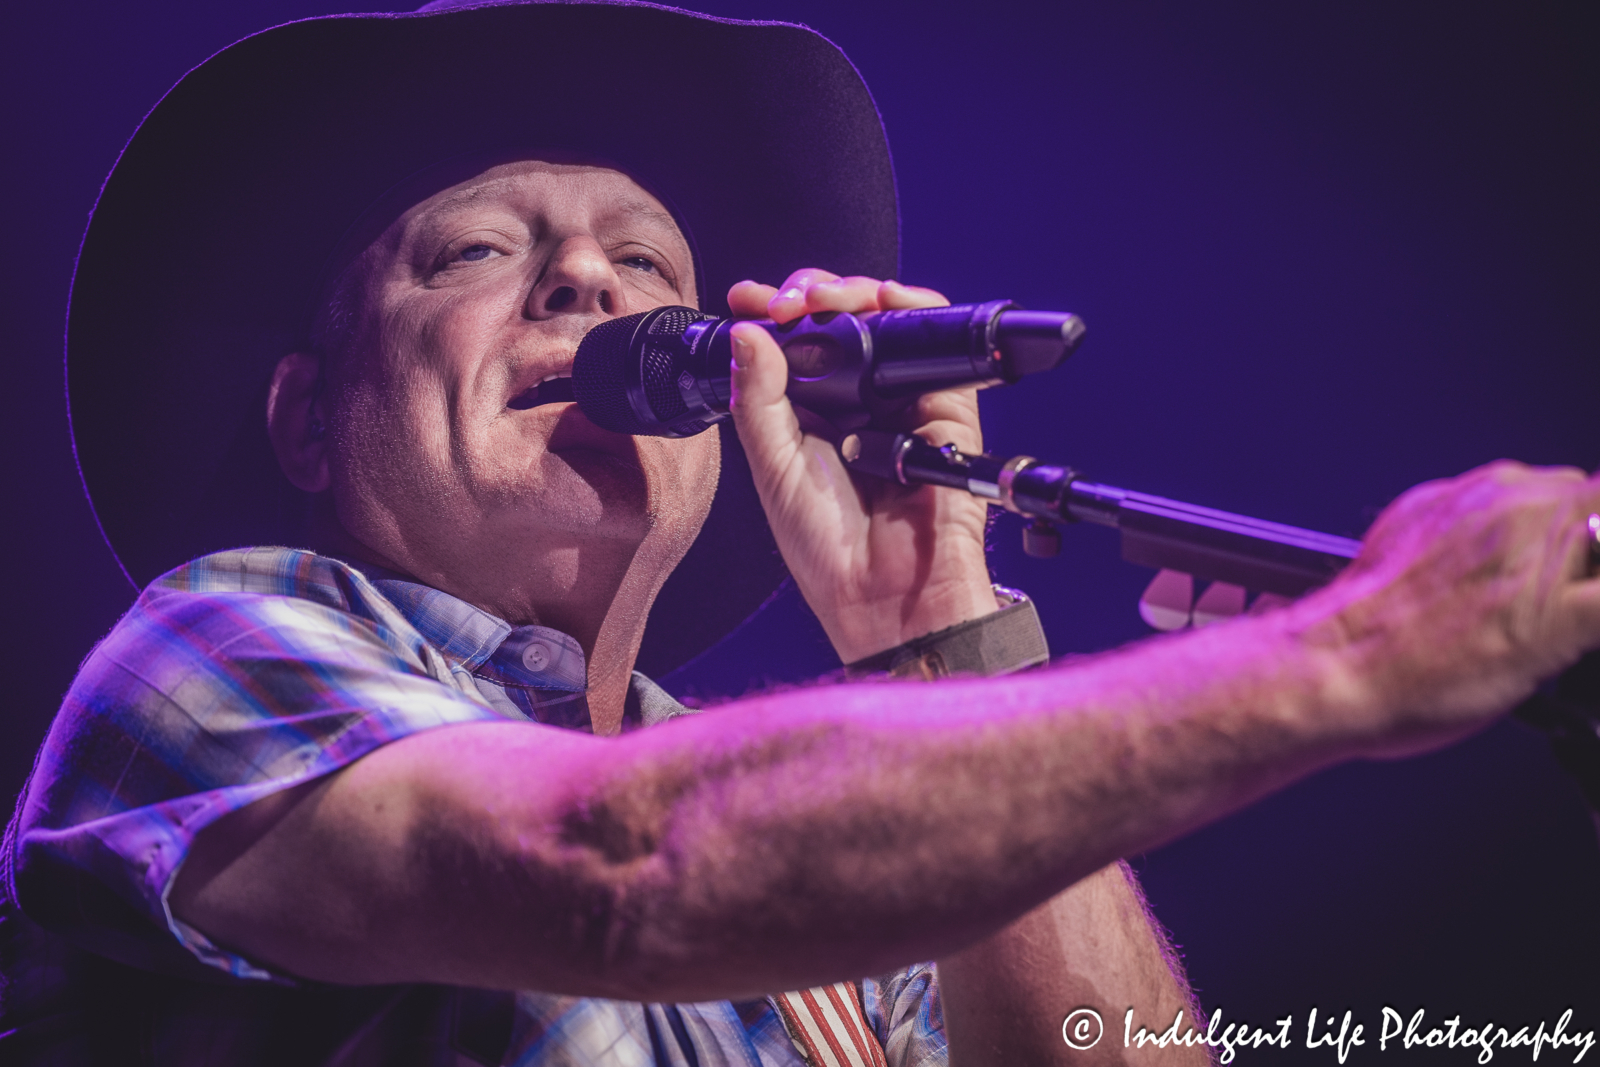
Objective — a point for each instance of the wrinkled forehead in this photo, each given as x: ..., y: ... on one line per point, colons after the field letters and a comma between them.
x: 463, y: 181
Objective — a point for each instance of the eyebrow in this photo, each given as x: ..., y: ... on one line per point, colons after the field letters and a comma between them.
x: 640, y: 209
x: 467, y: 197
x: 632, y: 207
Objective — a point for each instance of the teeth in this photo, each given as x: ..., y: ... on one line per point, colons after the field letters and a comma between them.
x: 553, y: 377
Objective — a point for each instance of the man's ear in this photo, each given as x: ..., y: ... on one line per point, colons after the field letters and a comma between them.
x: 297, y: 422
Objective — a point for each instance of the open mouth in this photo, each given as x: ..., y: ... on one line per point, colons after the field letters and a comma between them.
x: 549, y: 391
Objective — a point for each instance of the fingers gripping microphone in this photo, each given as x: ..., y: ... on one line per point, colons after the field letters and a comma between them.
x: 664, y: 373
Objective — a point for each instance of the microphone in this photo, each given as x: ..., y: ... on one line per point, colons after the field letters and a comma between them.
x: 665, y: 372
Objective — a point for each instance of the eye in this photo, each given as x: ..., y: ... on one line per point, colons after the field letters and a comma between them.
x: 642, y: 263
x: 473, y: 253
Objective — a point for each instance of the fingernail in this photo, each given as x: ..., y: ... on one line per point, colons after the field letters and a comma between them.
x: 791, y: 294
x: 742, y: 351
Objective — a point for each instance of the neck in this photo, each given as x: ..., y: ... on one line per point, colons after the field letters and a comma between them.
x: 594, y: 592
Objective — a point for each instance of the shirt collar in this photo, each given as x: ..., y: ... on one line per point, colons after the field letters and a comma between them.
x: 532, y: 657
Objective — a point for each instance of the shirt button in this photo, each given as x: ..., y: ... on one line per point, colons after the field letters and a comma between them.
x: 536, y: 657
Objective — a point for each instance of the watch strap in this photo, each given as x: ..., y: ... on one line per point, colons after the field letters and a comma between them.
x: 1003, y: 642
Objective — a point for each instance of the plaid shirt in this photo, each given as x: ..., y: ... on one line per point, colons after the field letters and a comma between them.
x: 248, y: 672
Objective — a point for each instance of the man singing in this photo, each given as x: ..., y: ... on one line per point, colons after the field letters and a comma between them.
x: 394, y: 793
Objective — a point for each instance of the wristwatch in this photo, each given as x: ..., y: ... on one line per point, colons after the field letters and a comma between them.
x: 1004, y: 642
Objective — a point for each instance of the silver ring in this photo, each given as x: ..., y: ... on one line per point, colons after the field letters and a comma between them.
x: 1593, y: 523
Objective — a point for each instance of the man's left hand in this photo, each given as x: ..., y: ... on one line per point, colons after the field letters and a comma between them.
x: 879, y: 563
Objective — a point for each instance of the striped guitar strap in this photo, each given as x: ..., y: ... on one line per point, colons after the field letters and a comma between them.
x: 827, y: 1026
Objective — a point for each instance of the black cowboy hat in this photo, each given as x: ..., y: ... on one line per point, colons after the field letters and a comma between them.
x: 204, y: 258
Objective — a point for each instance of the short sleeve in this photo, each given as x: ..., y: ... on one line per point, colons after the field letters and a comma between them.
x: 209, y: 695
x: 903, y: 1010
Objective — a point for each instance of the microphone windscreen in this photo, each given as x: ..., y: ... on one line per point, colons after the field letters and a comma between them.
x: 634, y: 375
x: 600, y: 376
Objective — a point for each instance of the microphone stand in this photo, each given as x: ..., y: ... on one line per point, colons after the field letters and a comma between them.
x: 1219, y: 545
x: 1156, y: 532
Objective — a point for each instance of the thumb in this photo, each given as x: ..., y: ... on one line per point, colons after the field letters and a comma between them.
x: 766, y: 422
x: 1583, y: 602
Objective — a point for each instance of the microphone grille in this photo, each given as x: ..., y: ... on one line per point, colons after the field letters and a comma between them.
x: 674, y: 320
x: 661, y: 366
x: 600, y: 376
x: 659, y: 373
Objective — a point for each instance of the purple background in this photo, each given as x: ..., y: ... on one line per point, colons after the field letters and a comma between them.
x: 1325, y: 251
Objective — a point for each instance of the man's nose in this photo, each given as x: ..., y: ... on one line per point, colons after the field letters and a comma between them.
x: 579, y: 280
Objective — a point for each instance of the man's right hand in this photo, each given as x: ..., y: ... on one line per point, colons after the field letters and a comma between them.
x: 1467, y: 593
x: 800, y: 837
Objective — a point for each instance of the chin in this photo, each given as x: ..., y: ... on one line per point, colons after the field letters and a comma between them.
x: 587, y: 491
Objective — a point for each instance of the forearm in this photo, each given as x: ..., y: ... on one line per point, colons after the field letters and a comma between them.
x: 1093, y: 946
x: 778, y: 843
x: 896, y: 823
